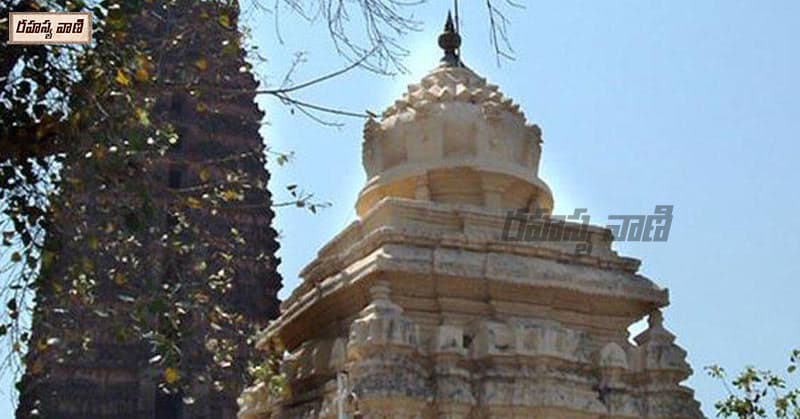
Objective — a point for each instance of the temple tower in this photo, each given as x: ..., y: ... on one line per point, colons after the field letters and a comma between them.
x: 82, y: 365
x: 421, y: 309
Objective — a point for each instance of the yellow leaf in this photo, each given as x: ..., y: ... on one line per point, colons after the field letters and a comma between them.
x: 193, y: 202
x: 122, y: 78
x: 204, y: 174
x: 201, y: 64
x: 171, y: 375
x: 143, y: 117
x: 225, y: 21
x: 94, y: 243
x: 142, y: 74
x: 231, y: 195
x: 120, y: 278
x: 143, y: 68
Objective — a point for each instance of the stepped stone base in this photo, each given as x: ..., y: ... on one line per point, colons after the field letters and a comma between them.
x: 420, y: 310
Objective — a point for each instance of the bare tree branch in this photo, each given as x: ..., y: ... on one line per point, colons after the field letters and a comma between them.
x: 498, y: 26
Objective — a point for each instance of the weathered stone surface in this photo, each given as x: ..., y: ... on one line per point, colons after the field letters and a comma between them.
x: 420, y: 308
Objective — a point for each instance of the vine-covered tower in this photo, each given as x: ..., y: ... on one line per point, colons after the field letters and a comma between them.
x: 111, y: 375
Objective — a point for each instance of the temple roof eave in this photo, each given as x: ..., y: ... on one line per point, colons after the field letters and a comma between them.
x: 627, y: 292
x: 383, y: 243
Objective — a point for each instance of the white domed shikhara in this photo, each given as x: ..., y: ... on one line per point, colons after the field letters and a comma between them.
x: 422, y: 308
x: 454, y: 138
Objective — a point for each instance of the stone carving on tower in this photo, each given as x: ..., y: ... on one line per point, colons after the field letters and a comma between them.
x: 420, y: 309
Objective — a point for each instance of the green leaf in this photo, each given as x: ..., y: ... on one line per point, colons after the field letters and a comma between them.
x: 158, y: 306
x: 143, y: 117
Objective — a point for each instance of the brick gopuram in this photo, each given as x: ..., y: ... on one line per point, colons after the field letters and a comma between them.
x: 110, y: 377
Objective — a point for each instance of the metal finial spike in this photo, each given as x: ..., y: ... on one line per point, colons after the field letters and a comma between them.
x: 450, y: 42
x: 449, y: 26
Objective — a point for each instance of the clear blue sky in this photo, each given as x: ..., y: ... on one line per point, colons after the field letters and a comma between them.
x: 690, y: 103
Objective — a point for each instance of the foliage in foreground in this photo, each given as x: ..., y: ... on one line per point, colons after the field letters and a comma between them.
x: 755, y: 393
